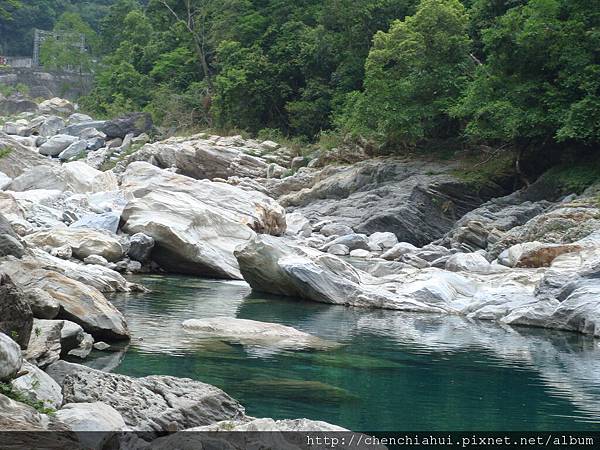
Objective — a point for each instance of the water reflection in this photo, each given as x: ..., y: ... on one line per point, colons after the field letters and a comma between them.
x: 396, y: 371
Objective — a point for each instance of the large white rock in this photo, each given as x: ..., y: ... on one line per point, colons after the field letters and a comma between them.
x: 94, y: 275
x: 79, y: 303
x: 56, y: 105
x: 38, y: 386
x: 95, y: 422
x: 398, y: 250
x: 20, y: 158
x: 5, y: 181
x: 10, y: 357
x: 75, y: 176
x: 44, y: 343
x: 384, y: 240
x: 467, y: 262
x: 297, y: 225
x: 83, y: 241
x: 196, y: 225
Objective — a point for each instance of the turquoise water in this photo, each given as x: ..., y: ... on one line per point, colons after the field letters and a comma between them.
x: 393, y: 372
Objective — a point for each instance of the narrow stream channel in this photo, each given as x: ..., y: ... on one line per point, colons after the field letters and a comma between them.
x: 395, y: 371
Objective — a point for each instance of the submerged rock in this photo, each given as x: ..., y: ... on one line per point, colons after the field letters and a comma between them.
x: 255, y: 332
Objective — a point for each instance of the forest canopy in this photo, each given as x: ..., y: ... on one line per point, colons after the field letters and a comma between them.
x: 400, y: 73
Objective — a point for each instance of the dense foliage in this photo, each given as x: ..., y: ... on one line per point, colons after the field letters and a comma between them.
x: 401, y: 73
x: 18, y: 19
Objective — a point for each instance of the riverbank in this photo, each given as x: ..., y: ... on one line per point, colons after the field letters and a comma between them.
x: 87, y: 202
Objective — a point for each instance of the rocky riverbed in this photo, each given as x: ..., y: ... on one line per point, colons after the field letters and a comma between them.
x: 85, y: 202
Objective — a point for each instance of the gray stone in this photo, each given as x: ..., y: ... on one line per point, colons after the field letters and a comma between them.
x: 338, y: 249
x: 415, y: 261
x: 252, y: 332
x: 56, y: 144
x: 96, y: 259
x: 62, y: 252
x: 134, y: 123
x: 16, y: 318
x: 56, y: 105
x: 398, y: 250
x: 417, y: 201
x: 38, y: 386
x: 154, y: 403
x: 5, y: 181
x: 134, y: 266
x: 385, y: 240
x: 78, y: 118
x: 76, y: 149
x: 42, y: 304
x: 334, y: 229
x: 10, y: 358
x: 360, y: 253
x: 20, y: 159
x: 51, y: 126
x: 96, y: 422
x: 141, y: 246
x: 106, y: 221
x: 101, y: 346
x: 81, y: 129
x: 169, y: 208
x: 95, y: 143
x: 83, y: 241
x: 297, y: 162
x: 11, y: 246
x: 44, y: 345
x: 467, y: 262
x: 80, y: 303
x: 72, y: 337
x: 16, y: 104
x: 352, y: 241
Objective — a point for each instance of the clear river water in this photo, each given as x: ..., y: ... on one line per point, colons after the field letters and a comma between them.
x: 393, y: 372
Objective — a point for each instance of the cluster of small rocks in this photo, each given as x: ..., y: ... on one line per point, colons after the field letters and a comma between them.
x: 56, y: 130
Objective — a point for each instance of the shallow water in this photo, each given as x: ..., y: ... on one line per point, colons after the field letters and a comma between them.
x: 395, y: 371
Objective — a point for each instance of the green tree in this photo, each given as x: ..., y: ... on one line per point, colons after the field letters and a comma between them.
x: 72, y: 47
x: 540, y: 82
x: 6, y: 6
x: 413, y: 75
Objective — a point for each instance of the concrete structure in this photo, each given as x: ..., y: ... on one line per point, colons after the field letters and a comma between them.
x: 45, y: 84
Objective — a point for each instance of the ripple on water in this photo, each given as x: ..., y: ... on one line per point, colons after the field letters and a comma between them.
x: 395, y: 371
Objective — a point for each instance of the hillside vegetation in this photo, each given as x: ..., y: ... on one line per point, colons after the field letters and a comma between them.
x: 397, y: 75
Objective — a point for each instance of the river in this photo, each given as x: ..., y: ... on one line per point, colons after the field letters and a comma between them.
x: 393, y: 372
